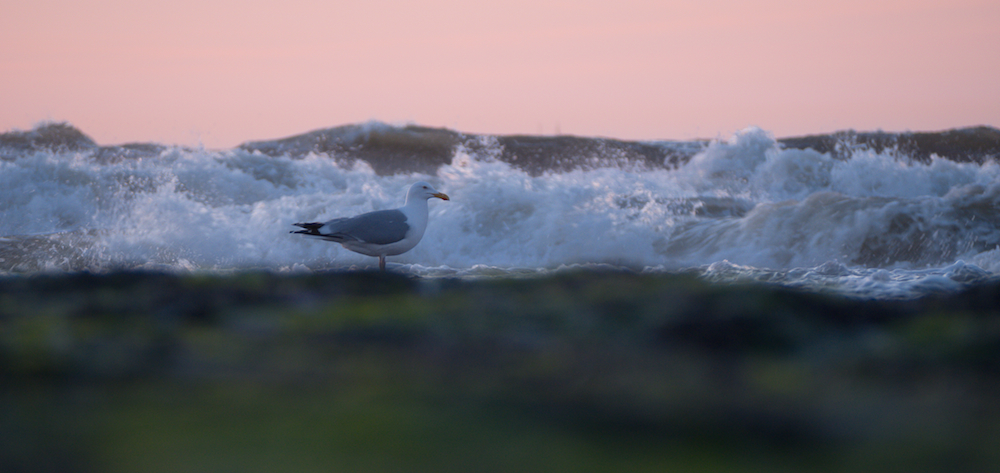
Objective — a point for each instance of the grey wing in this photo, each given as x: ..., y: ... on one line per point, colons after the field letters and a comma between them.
x: 380, y: 227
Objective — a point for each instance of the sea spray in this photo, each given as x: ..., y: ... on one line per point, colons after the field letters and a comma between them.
x: 521, y: 205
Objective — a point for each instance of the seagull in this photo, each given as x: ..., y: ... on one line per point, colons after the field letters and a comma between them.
x: 383, y: 232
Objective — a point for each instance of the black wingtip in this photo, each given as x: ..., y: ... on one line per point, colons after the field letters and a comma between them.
x: 311, y: 228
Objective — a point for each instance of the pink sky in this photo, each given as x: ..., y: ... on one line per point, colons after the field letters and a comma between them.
x: 218, y: 73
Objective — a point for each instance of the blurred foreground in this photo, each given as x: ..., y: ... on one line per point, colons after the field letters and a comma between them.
x: 585, y: 371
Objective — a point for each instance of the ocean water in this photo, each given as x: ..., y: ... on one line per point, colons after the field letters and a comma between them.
x: 872, y: 215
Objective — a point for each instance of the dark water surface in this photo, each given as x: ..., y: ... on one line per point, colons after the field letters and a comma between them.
x: 580, y: 371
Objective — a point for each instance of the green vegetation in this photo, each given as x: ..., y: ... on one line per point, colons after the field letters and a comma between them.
x: 584, y: 371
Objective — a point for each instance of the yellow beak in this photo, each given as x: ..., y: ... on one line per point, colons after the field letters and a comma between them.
x: 441, y: 196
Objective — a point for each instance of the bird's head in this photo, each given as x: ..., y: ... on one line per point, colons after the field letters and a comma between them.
x: 423, y: 190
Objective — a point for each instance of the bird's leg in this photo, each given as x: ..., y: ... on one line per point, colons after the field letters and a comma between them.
x: 381, y: 262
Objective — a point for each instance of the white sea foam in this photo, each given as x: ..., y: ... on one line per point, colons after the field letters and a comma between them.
x: 744, y: 201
